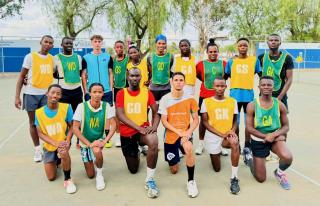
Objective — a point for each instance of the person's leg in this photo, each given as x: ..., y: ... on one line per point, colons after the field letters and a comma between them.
x: 88, y: 158
x: 89, y: 167
x: 215, y: 161
x: 246, y: 133
x: 260, y: 151
x: 100, y: 184
x: 171, y: 155
x: 130, y: 151
x: 212, y: 145
x: 66, y: 167
x: 202, y: 131
x: 50, y: 167
x: 33, y: 129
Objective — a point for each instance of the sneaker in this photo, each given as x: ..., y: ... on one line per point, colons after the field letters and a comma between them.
x: 283, y: 180
x: 199, y: 149
x: 37, y: 156
x: 108, y: 144
x: 224, y: 152
x: 100, y: 184
x: 192, y: 189
x: 247, y: 156
x: 117, y: 142
x: 70, y: 186
x: 144, y: 150
x: 152, y: 189
x: 181, y: 155
x: 234, y: 186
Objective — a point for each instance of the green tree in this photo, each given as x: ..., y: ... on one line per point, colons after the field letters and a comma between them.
x: 75, y: 16
x: 10, y: 7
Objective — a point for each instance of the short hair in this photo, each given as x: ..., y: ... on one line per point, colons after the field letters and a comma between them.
x: 46, y: 36
x: 54, y: 86
x: 67, y: 37
x: 178, y: 73
x: 274, y: 34
x: 185, y: 40
x: 243, y: 39
x: 118, y: 41
x: 133, y: 46
x: 212, y: 43
x: 266, y: 77
x: 96, y: 36
x: 132, y: 68
x: 219, y: 78
x: 96, y: 84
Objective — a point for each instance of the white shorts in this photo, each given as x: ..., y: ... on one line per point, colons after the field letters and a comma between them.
x: 189, y: 89
x: 212, y: 143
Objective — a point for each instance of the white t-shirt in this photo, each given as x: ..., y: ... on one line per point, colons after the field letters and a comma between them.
x: 204, y: 108
x: 79, y: 111
x: 27, y: 63
x: 58, y: 66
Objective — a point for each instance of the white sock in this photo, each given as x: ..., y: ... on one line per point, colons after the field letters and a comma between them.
x: 279, y: 171
x: 37, y: 148
x: 201, y: 142
x: 150, y: 173
x: 99, y: 171
x: 234, y: 172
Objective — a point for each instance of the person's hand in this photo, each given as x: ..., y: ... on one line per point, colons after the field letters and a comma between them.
x: 231, y: 133
x: 269, y: 138
x: 280, y: 138
x: 187, y: 134
x: 146, y: 83
x: 232, y: 139
x: 96, y: 143
x: 142, y: 130
x: 63, y: 146
x: 17, y: 103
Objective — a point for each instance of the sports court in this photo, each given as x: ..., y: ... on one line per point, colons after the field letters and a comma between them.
x: 23, y: 182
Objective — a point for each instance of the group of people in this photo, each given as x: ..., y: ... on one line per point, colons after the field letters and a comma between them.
x: 99, y: 95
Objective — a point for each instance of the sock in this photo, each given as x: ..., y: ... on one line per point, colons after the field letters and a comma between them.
x: 247, y: 144
x: 190, y: 173
x: 67, y: 174
x: 283, y: 166
x: 106, y: 132
x: 99, y: 171
x: 150, y: 174
x: 37, y: 148
x: 234, y: 172
x: 201, y: 142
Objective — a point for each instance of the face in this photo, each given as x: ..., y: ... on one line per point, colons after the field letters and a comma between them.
x: 274, y: 42
x: 54, y: 95
x: 67, y: 45
x: 161, y: 46
x: 134, y: 54
x: 266, y: 86
x: 219, y: 86
x: 96, y: 44
x: 134, y: 77
x: 212, y: 53
x: 184, y: 48
x: 178, y: 82
x: 96, y: 93
x: 243, y: 47
x: 119, y: 48
x: 46, y: 44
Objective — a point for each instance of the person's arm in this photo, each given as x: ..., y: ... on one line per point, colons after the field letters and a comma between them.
x: 46, y: 138
x: 250, y: 122
x: 257, y: 67
x: 70, y: 134
x: 194, y: 124
x: 260, y: 57
x: 284, y: 122
x: 76, y: 131
x: 227, y: 71
x: 125, y: 120
x: 112, y: 129
x: 23, y: 73
x: 167, y: 125
x: 289, y: 77
x: 199, y: 70
x: 149, y: 67
x: 111, y: 80
x: 84, y: 77
x: 205, y: 121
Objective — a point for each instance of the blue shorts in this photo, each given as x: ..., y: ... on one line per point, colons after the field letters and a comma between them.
x: 33, y: 102
x: 171, y: 152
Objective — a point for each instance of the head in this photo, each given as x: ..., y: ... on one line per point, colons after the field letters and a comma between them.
x: 119, y: 47
x: 134, y: 52
x: 274, y: 42
x: 212, y: 50
x: 54, y: 93
x: 96, y: 91
x: 177, y: 81
x: 219, y: 85
x: 96, y: 42
x: 185, y: 47
x: 266, y: 85
x: 161, y: 43
x: 67, y: 44
x: 46, y: 43
x: 243, y: 45
x: 134, y: 77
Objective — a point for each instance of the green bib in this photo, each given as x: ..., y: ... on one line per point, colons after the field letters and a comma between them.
x: 93, y: 123
x: 70, y: 68
x: 211, y: 71
x: 273, y: 68
x: 267, y: 120
x: 161, y: 69
x: 119, y: 72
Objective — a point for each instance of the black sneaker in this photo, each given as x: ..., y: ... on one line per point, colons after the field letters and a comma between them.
x: 234, y: 186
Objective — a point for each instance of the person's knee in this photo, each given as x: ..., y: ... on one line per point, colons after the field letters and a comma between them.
x: 153, y: 143
x: 51, y: 177
x: 260, y: 178
x: 235, y: 146
x: 133, y: 170
x: 188, y: 148
x: 174, y: 169
x: 216, y: 168
x: 90, y: 175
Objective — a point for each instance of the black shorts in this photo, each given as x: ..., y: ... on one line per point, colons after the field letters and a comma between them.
x: 158, y: 94
x: 130, y: 145
x: 73, y: 97
x: 242, y: 105
x: 115, y: 92
x: 284, y: 99
x: 171, y: 152
x: 260, y: 149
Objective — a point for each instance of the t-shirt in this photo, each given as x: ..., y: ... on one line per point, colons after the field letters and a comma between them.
x: 125, y: 130
x: 51, y: 113
x: 79, y: 111
x: 178, y: 111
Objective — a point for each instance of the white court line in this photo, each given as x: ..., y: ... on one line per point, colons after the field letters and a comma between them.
x: 13, y: 133
x: 305, y: 177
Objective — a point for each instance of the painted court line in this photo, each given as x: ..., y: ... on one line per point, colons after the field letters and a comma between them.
x: 305, y: 177
x: 13, y: 133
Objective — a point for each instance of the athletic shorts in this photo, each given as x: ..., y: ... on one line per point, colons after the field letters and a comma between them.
x: 33, y: 102
x: 171, y: 152
x: 72, y: 97
x: 49, y: 157
x: 212, y: 143
x: 130, y: 145
x: 158, y: 94
x: 240, y: 106
x: 260, y: 149
x: 284, y: 99
x: 107, y: 97
x: 87, y: 154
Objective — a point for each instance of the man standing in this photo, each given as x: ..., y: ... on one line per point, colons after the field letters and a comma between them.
x: 38, y: 67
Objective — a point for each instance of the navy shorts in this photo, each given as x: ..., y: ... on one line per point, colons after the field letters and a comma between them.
x: 260, y: 149
x: 130, y: 145
x: 171, y: 152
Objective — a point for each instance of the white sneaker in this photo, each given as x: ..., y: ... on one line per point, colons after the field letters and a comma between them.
x: 192, y: 189
x: 224, y: 152
x: 199, y: 149
x: 100, y: 184
x: 70, y: 186
x: 37, y: 156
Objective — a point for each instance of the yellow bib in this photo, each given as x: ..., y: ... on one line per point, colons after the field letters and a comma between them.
x: 220, y: 113
x: 143, y: 66
x: 135, y: 107
x: 187, y: 67
x: 42, y: 71
x: 54, y: 127
x: 242, y: 73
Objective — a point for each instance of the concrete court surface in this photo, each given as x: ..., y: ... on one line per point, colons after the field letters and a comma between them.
x: 23, y: 182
